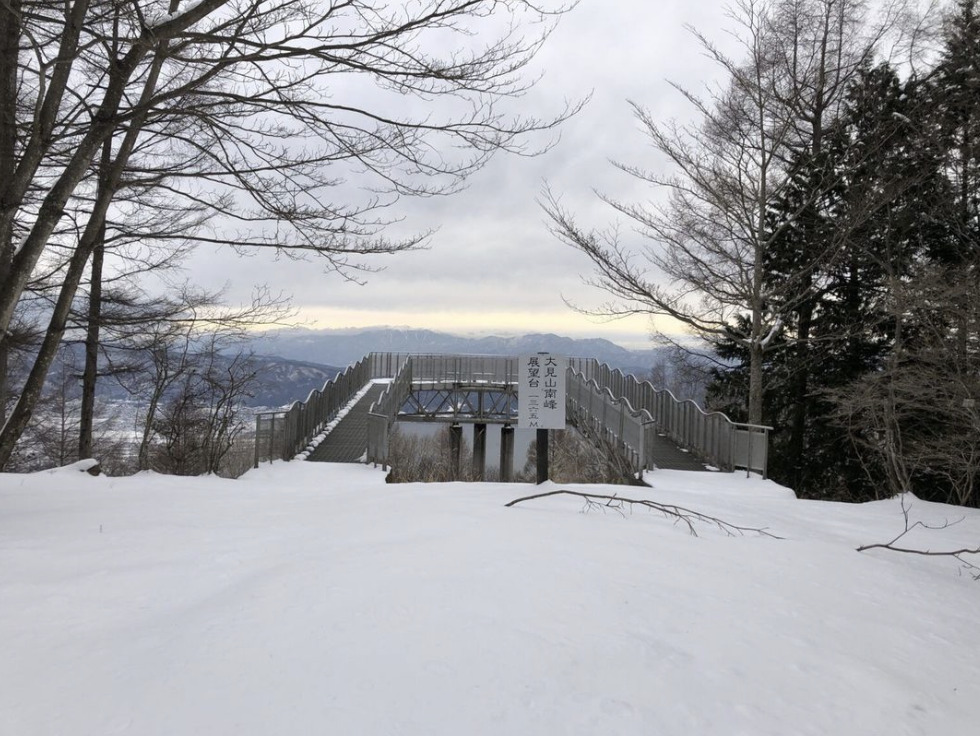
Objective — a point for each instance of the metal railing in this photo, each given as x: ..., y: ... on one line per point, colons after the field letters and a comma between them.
x: 279, y: 435
x: 464, y: 369
x: 384, y: 412
x: 628, y: 406
x: 712, y: 436
x: 386, y: 365
x: 421, y: 369
x: 610, y: 419
x: 607, y: 417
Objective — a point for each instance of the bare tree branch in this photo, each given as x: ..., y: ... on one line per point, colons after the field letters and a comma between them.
x: 957, y: 554
x: 680, y: 514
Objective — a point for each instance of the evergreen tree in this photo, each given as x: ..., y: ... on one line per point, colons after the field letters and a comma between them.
x: 856, y: 219
x: 956, y: 93
x: 892, y: 214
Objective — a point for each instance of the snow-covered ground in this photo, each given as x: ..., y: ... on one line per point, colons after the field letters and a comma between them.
x: 307, y: 598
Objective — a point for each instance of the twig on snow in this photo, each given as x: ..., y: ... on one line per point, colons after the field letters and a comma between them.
x: 600, y: 502
x: 973, y: 568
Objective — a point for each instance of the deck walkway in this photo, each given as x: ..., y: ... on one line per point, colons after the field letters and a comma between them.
x: 347, y: 442
x: 667, y: 455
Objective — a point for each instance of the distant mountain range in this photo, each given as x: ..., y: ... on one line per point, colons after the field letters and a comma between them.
x: 283, y: 381
x: 343, y: 347
x: 293, y: 362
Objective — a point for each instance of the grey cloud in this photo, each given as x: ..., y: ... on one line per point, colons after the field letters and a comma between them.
x: 492, y: 246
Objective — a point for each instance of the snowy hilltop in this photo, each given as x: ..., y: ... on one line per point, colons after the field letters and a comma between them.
x: 316, y: 598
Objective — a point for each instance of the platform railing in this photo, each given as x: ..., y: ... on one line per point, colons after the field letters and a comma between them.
x: 384, y: 412
x: 610, y: 419
x: 711, y: 435
x: 386, y: 365
x: 464, y: 369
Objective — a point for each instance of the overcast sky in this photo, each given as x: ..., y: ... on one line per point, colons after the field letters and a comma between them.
x: 491, y: 266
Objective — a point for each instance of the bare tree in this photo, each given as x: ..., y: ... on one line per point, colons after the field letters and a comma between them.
x: 916, y: 422
x: 244, y: 107
x: 147, y: 236
x: 418, y: 458
x: 198, y: 422
x: 52, y: 436
x: 682, y: 371
x: 702, y: 264
x: 575, y: 458
x: 190, y: 364
x: 9, y: 51
x: 54, y: 433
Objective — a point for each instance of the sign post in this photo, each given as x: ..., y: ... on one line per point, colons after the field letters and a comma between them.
x: 541, y: 400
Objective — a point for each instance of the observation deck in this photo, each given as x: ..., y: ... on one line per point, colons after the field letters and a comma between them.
x: 647, y: 427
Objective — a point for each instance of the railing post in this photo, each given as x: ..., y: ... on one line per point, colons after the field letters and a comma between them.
x: 765, y: 461
x: 748, y: 461
x: 272, y: 437
x: 255, y: 444
x: 731, y: 447
x: 383, y: 440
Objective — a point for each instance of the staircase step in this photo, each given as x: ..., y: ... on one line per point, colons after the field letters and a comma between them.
x: 347, y: 442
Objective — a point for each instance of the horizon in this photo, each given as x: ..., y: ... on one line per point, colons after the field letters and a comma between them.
x: 490, y: 264
x: 628, y: 340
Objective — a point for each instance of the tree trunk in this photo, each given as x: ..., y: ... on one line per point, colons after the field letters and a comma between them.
x: 756, y: 347
x: 21, y: 414
x: 9, y: 37
x: 755, y: 383
x: 800, y: 390
x: 91, y: 373
x: 160, y: 383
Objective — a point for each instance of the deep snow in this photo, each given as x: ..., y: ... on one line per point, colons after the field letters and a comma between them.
x: 309, y: 598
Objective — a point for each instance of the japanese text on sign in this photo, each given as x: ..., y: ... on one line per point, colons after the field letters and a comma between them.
x: 541, y: 392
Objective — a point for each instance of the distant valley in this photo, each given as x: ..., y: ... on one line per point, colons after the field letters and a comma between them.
x: 293, y: 362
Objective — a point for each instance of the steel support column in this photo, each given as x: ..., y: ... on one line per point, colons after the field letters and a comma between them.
x: 455, y: 449
x: 507, y: 453
x: 480, y: 451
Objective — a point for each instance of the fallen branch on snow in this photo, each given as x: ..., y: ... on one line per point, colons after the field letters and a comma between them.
x: 678, y: 513
x: 954, y: 553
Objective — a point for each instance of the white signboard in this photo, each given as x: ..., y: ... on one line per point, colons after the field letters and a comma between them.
x: 541, y: 392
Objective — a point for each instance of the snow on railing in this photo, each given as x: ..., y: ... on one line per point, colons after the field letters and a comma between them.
x: 384, y: 412
x: 279, y: 435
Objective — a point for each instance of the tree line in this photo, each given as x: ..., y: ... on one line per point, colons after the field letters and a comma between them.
x: 818, y: 228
